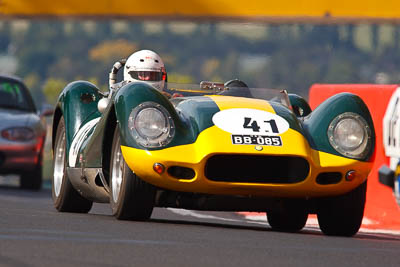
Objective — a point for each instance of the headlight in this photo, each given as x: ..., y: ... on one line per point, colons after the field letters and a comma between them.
x: 151, y: 125
x: 350, y: 135
x: 18, y: 134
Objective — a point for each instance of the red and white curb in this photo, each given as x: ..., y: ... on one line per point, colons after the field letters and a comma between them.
x: 368, y: 225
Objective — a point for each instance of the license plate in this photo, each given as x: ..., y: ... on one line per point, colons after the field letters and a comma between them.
x: 263, y: 140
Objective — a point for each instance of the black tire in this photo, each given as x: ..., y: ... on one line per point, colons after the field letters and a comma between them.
x: 342, y: 215
x: 65, y: 197
x: 292, y: 217
x: 32, y: 180
x: 134, y: 200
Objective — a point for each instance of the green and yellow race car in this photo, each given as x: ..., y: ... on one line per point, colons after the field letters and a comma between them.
x: 221, y: 147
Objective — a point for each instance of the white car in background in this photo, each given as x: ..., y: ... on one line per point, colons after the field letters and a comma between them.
x: 390, y: 175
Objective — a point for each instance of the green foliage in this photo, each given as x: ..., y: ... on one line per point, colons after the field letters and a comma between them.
x: 174, y: 77
x: 52, y: 89
x: 110, y: 51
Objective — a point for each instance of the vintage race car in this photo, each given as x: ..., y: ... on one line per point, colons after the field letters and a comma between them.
x: 220, y: 147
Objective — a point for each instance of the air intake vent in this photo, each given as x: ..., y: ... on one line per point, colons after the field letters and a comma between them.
x: 181, y: 172
x: 256, y: 169
x: 326, y: 178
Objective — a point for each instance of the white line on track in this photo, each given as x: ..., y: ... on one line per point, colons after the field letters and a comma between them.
x: 198, y: 215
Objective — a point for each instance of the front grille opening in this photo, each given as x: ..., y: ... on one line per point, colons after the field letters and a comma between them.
x: 326, y: 178
x: 256, y: 169
x: 181, y: 172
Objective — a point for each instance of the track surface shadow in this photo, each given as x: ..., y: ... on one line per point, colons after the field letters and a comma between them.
x: 101, y: 211
x: 10, y: 190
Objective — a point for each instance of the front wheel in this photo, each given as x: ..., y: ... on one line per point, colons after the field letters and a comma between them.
x: 342, y: 215
x: 292, y: 217
x: 65, y: 197
x: 131, y: 198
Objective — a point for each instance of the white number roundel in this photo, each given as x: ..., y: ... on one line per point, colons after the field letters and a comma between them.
x: 250, y: 121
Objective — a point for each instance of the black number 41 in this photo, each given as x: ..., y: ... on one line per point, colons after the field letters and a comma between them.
x: 253, y: 125
x: 248, y: 124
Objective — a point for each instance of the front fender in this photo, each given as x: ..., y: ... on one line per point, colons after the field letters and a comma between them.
x: 317, y: 123
x: 78, y: 104
x: 133, y: 94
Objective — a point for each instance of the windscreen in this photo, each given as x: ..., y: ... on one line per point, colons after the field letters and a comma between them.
x: 211, y: 88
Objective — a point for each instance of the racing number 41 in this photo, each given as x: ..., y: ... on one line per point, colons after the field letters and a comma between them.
x: 253, y: 125
x: 248, y: 124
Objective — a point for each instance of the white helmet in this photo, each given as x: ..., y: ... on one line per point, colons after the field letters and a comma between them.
x: 147, y: 66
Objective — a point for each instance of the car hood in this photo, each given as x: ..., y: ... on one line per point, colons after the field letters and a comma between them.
x: 201, y: 110
x: 17, y: 118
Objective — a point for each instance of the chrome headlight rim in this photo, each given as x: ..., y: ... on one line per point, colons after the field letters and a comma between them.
x: 146, y: 141
x: 363, y: 149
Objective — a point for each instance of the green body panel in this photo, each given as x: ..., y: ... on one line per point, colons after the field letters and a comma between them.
x: 78, y: 103
x: 317, y: 123
x: 198, y: 112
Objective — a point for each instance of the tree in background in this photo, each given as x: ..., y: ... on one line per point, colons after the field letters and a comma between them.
x: 52, y: 89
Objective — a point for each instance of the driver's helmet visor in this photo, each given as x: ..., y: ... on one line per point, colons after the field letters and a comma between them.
x: 151, y: 76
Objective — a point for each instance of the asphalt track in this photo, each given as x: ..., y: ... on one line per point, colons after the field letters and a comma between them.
x: 33, y: 233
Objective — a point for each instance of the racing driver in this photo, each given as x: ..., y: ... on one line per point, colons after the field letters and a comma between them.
x: 143, y: 65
